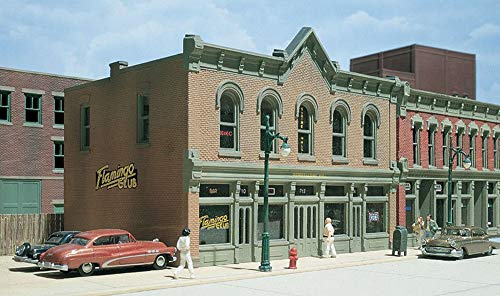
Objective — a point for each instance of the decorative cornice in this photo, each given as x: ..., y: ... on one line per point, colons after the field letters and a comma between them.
x: 272, y: 93
x: 473, y: 128
x: 417, y: 120
x: 446, y: 124
x: 435, y: 103
x: 432, y: 123
x: 460, y: 125
x: 198, y: 55
x: 485, y: 130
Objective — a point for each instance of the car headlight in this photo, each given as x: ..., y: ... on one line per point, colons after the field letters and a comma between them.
x: 35, y: 255
x: 452, y: 243
x: 20, y: 250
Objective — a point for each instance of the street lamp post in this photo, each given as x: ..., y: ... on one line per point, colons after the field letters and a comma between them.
x: 467, y: 163
x: 265, y: 264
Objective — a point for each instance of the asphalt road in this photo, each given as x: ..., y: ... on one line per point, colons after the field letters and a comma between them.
x: 473, y: 276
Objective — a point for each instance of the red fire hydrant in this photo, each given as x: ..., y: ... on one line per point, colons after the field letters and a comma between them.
x: 293, y: 258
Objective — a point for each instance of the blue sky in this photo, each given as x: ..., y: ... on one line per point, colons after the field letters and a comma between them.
x: 80, y: 38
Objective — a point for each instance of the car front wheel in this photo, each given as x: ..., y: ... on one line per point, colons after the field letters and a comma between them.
x: 160, y: 262
x: 86, y: 269
x: 463, y: 254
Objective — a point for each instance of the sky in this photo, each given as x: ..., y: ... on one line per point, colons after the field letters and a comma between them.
x: 80, y: 38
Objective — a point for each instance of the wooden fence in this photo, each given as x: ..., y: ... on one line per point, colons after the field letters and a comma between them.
x: 32, y: 228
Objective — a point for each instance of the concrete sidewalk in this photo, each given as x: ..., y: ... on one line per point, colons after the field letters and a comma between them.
x: 24, y: 279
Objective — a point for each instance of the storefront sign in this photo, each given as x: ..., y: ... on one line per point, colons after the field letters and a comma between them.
x: 217, y: 222
x: 373, y: 216
x: 122, y: 177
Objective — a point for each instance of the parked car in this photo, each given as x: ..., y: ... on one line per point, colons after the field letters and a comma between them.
x: 106, y: 248
x: 31, y: 253
x: 458, y: 242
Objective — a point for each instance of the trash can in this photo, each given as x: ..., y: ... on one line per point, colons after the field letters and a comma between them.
x: 399, y: 240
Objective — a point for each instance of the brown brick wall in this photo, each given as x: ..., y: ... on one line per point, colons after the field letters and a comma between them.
x: 304, y: 78
x: 158, y: 207
x: 28, y: 151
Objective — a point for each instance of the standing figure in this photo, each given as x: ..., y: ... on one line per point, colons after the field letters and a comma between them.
x: 328, y: 232
x: 431, y: 227
x: 183, y: 245
x: 419, y: 229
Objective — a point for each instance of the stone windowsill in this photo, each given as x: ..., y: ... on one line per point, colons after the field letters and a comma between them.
x: 5, y: 122
x: 229, y: 153
x: 274, y: 156
x: 340, y: 160
x: 306, y: 157
x: 142, y: 145
x: 29, y: 124
x: 58, y: 126
x: 58, y: 171
x: 370, y: 161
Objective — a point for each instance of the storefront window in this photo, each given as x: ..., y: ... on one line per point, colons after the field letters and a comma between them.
x: 465, y: 187
x: 336, y: 212
x: 375, y: 222
x: 409, y: 187
x: 491, y: 187
x: 375, y: 191
x: 214, y: 224
x: 276, y: 222
x: 244, y: 190
x: 410, y: 214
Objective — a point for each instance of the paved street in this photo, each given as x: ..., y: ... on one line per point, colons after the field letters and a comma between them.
x: 474, y: 276
x: 370, y: 273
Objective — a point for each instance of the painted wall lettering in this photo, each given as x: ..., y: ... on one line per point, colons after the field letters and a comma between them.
x: 122, y: 177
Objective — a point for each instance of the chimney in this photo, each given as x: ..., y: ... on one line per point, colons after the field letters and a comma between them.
x: 116, y: 66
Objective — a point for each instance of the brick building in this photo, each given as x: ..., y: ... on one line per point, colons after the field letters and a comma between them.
x: 426, y: 68
x: 425, y: 123
x: 32, y: 141
x: 176, y: 142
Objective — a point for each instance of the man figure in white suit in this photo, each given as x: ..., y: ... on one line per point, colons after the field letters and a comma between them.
x: 328, y: 232
x: 183, y: 245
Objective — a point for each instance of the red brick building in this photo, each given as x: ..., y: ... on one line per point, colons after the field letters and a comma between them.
x: 424, y: 67
x: 32, y: 141
x: 425, y: 123
x: 176, y: 142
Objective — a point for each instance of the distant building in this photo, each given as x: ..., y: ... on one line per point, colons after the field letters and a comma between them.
x: 32, y: 141
x: 425, y: 68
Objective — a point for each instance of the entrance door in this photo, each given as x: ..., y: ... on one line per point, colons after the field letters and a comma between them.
x: 245, y: 234
x: 440, y: 212
x: 306, y: 229
x: 357, y: 228
x: 19, y: 197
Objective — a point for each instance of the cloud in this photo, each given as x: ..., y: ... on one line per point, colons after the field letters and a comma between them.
x: 485, y: 31
x: 489, y: 93
x: 361, y: 19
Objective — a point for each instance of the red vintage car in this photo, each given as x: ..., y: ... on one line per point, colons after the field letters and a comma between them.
x: 106, y: 248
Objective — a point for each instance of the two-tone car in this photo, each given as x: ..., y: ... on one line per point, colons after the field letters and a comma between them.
x: 458, y: 242
x: 29, y: 253
x: 106, y: 248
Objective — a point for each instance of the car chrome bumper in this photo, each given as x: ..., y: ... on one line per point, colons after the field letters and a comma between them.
x: 24, y: 259
x: 452, y: 254
x: 51, y: 265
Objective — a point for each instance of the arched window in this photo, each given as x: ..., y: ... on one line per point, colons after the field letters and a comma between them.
x: 229, y: 100
x: 305, y: 131
x: 339, y: 147
x: 369, y: 136
x: 268, y: 107
x: 228, y: 123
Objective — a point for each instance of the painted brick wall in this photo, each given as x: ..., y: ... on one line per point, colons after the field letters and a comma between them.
x: 304, y: 78
x: 158, y: 207
x: 27, y: 152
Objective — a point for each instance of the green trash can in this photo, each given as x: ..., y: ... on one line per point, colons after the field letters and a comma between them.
x: 400, y: 240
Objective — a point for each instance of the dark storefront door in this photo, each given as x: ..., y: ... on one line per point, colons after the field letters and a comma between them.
x: 306, y: 229
x: 357, y: 228
x: 245, y: 234
x: 440, y: 212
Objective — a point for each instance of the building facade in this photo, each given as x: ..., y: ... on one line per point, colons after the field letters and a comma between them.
x: 32, y: 141
x: 428, y: 123
x: 177, y: 142
x: 426, y: 68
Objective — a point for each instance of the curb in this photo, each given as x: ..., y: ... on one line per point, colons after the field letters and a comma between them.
x: 196, y: 282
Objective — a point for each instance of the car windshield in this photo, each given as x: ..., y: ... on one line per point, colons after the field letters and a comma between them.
x: 55, y: 239
x: 457, y: 232
x: 79, y: 241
